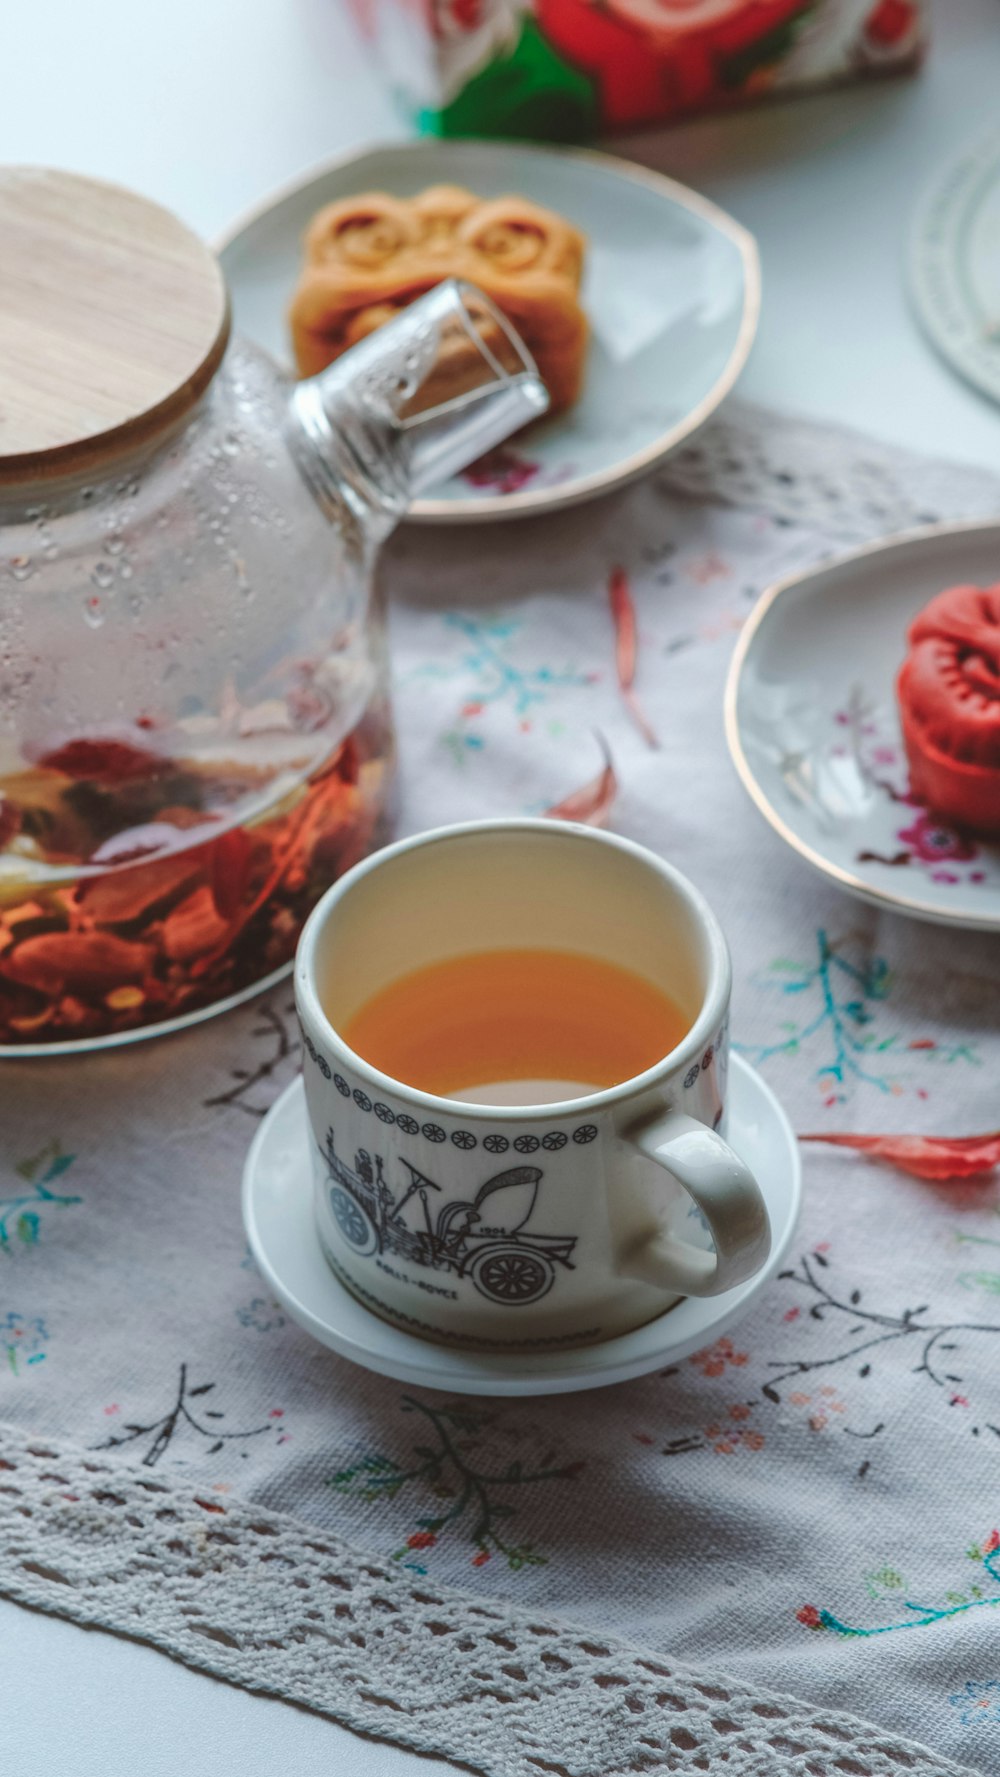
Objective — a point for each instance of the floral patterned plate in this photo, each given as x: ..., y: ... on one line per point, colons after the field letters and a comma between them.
x: 278, y: 1217
x: 672, y: 289
x: 812, y: 725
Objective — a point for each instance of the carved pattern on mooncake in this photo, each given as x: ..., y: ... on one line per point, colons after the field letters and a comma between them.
x: 949, y: 704
x: 369, y: 256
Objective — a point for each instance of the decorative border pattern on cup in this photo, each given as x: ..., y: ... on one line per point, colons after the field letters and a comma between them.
x: 715, y: 1051
x: 551, y: 1141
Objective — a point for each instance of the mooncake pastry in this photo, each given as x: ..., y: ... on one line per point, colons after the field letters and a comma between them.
x: 369, y: 256
x: 949, y: 702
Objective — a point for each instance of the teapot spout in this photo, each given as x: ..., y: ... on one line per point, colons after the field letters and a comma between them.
x: 419, y: 399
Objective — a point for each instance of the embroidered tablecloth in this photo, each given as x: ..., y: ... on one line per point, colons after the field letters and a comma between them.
x: 810, y: 1507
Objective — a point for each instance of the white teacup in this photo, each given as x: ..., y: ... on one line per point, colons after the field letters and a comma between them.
x: 523, y: 1227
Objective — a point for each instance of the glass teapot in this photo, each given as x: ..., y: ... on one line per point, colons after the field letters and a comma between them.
x: 195, y: 734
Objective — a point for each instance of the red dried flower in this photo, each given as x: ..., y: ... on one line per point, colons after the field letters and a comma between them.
x: 10, y: 821
x: 925, y: 1156
x: 102, y: 761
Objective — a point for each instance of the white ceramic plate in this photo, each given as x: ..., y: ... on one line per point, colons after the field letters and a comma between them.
x: 278, y: 1216
x: 812, y: 725
x: 955, y: 264
x: 672, y: 289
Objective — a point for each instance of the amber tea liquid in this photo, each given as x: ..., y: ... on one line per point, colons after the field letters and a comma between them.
x: 516, y: 1026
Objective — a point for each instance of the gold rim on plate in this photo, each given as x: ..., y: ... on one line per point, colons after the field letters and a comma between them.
x: 584, y: 487
x: 882, y: 898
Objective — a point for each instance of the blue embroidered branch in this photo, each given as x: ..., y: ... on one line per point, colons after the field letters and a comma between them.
x: 839, y: 1001
x: 921, y: 1615
x: 841, y: 991
x: 21, y: 1213
x: 493, y: 677
x: 23, y: 1338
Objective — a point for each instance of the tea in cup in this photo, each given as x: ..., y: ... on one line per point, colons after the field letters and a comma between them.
x: 516, y: 1045
x: 516, y: 1026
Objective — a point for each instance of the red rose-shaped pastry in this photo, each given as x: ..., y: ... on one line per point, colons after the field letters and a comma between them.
x: 949, y: 701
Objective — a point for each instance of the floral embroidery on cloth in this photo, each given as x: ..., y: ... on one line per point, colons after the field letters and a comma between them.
x: 974, y: 1597
x: 838, y: 1015
x: 458, y: 1462
x: 22, y: 1209
x: 921, y: 840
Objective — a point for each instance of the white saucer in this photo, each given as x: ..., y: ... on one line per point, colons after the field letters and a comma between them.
x: 671, y: 287
x: 813, y: 730
x: 954, y: 263
x: 278, y: 1217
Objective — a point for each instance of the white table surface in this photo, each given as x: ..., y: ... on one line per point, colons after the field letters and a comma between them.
x: 207, y: 105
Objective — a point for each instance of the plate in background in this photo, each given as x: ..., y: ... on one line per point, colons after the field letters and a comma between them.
x: 813, y: 730
x: 955, y: 264
x: 671, y: 287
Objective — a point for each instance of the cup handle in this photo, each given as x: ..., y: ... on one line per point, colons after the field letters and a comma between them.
x: 728, y: 1196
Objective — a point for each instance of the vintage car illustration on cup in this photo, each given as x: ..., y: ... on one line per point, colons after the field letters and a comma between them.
x: 484, y: 1238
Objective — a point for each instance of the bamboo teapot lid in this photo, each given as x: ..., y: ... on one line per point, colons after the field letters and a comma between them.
x: 113, y: 320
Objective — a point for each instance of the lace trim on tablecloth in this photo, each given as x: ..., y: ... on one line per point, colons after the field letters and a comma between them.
x: 262, y: 1600
x: 827, y: 477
